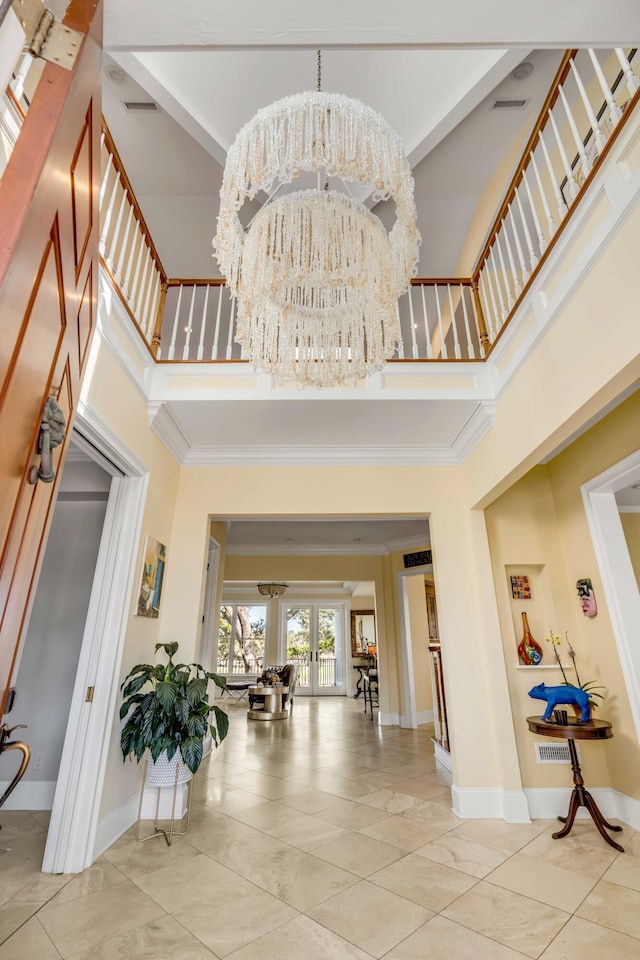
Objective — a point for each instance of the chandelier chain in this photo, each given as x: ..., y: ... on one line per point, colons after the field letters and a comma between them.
x: 319, y: 70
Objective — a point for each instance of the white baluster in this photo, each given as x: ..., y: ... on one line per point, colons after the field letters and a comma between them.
x: 136, y: 275
x: 593, y: 120
x: 512, y: 264
x: 489, y: 315
x: 214, y: 349
x: 516, y: 234
x: 137, y: 238
x: 577, y: 139
x: 426, y: 324
x: 116, y: 232
x: 157, y: 285
x: 123, y: 248
x: 543, y: 196
x: 568, y: 172
x: 138, y: 307
x: 203, y: 322
x: 400, y: 341
x: 470, y: 349
x: 454, y: 326
x: 187, y: 339
x: 536, y: 222
x: 172, y: 346
x: 505, y: 275
x: 443, y: 345
x: 232, y: 321
x: 414, y: 341
x: 498, y: 316
x: 633, y: 83
x: 560, y: 201
x: 615, y: 113
x: 107, y: 220
x: 103, y: 186
x: 503, y: 309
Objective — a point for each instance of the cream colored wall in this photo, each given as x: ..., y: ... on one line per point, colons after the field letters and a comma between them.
x: 631, y: 527
x: 540, y: 524
x: 111, y: 395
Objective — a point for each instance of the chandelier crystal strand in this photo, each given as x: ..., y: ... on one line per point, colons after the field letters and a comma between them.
x: 316, y: 275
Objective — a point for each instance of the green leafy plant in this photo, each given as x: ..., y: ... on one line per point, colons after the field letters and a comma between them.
x: 591, y: 687
x: 172, y: 715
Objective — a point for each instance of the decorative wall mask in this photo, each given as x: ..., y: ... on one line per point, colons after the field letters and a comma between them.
x: 587, y: 597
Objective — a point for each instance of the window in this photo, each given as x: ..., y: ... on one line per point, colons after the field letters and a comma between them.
x: 241, y: 638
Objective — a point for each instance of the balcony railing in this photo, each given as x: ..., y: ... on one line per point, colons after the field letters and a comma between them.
x: 441, y: 319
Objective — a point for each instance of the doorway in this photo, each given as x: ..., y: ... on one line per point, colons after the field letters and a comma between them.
x: 313, y: 639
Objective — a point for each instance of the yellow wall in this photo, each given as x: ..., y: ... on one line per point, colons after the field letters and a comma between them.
x: 112, y: 396
x: 631, y: 527
x: 416, y: 602
x: 540, y: 525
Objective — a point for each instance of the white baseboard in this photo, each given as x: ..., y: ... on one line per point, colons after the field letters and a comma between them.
x: 388, y: 719
x: 424, y: 716
x: 115, y: 823
x: 30, y: 795
x: 442, y: 756
x: 549, y: 802
x: 490, y: 803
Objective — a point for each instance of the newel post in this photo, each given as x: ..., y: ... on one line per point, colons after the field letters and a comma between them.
x: 482, y: 327
x: 157, y: 326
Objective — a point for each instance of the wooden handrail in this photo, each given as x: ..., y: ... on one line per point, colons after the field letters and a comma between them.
x: 543, y: 117
x: 15, y: 103
x: 119, y: 167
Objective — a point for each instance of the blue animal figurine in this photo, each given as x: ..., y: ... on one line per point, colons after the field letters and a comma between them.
x: 562, y: 695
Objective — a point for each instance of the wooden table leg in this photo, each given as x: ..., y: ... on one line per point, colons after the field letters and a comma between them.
x: 582, y: 798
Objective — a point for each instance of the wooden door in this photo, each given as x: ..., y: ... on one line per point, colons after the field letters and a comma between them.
x: 48, y: 301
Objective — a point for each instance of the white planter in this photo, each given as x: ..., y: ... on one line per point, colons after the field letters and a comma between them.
x: 162, y: 773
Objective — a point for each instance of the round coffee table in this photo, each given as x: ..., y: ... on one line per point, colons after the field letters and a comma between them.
x: 273, y: 708
x: 580, y: 797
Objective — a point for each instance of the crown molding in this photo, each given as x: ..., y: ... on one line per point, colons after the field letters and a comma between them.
x: 165, y: 427
x: 308, y: 550
x: 311, y: 455
x: 477, y: 426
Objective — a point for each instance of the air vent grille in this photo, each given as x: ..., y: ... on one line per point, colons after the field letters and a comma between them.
x: 552, y: 753
x: 141, y: 106
x: 509, y: 104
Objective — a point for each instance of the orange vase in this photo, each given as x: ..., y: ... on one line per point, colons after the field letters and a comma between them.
x: 529, y: 650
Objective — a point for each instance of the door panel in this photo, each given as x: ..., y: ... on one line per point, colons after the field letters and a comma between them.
x: 48, y: 262
x: 314, y: 640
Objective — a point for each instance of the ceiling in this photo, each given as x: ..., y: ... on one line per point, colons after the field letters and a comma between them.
x: 629, y: 497
x: 353, y: 535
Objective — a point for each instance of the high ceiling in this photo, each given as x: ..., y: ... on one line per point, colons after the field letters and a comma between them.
x: 340, y: 534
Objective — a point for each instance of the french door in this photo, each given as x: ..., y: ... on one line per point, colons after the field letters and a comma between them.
x: 313, y: 640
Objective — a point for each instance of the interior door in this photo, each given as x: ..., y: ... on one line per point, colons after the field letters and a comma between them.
x: 48, y: 286
x: 314, y: 638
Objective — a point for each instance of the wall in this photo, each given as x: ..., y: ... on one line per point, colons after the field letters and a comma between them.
x: 111, y: 395
x: 631, y: 527
x: 540, y: 523
x: 47, y: 671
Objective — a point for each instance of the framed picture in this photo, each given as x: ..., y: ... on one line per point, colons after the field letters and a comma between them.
x: 520, y: 588
x: 154, y: 559
x: 432, y: 611
x: 363, y: 632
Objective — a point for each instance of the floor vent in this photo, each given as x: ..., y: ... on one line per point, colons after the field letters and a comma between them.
x: 509, y: 104
x: 141, y: 106
x: 552, y: 753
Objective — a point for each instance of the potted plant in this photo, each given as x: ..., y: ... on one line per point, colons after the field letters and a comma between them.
x: 171, y: 719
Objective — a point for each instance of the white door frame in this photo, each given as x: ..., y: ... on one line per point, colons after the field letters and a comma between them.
x: 409, y: 716
x: 76, y: 806
x: 205, y: 647
x: 340, y: 605
x: 614, y: 563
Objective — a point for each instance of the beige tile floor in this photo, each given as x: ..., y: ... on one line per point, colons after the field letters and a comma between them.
x: 319, y: 838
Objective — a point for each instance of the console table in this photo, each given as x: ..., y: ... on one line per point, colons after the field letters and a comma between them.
x: 580, y: 797
x: 273, y: 707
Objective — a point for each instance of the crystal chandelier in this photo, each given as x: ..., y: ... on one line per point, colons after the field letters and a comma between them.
x: 316, y: 276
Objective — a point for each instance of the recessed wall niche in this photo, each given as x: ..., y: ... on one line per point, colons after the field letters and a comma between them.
x: 540, y: 609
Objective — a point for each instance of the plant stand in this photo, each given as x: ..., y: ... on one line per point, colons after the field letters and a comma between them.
x: 159, y: 831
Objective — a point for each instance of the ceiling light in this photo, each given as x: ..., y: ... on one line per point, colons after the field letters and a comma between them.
x: 522, y: 71
x: 116, y: 75
x: 316, y: 275
x: 272, y: 589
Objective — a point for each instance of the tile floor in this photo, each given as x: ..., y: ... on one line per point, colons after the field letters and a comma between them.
x: 320, y: 838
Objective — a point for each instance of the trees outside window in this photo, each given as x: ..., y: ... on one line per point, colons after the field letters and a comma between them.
x: 241, y: 638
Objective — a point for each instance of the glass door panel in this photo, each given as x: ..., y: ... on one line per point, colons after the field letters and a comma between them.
x: 298, y: 652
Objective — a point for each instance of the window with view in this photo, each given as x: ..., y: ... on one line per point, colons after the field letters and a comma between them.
x: 241, y: 638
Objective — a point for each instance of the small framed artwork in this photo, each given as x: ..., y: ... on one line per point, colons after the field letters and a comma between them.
x: 432, y: 610
x: 154, y: 559
x: 520, y: 588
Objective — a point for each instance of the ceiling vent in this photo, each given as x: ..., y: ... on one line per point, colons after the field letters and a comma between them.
x: 141, y: 106
x: 510, y: 104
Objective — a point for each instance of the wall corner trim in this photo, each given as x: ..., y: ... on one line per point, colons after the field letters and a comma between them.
x: 490, y: 803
